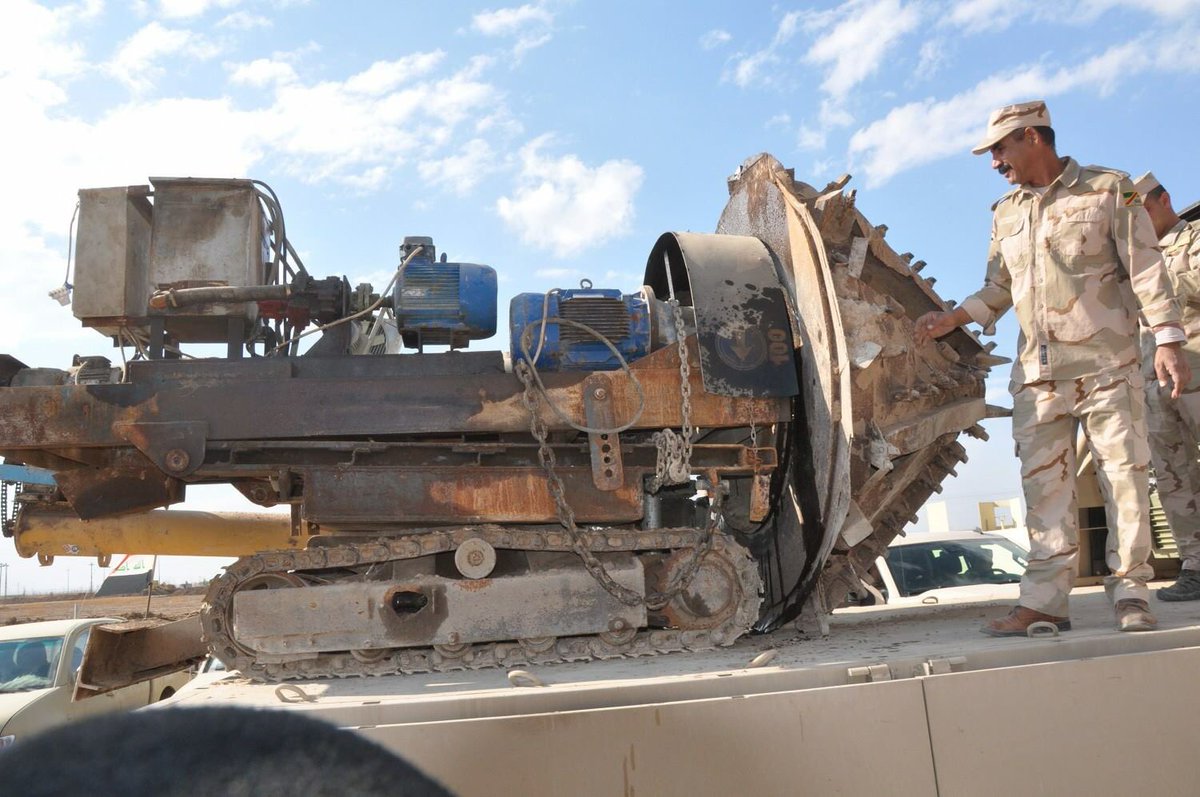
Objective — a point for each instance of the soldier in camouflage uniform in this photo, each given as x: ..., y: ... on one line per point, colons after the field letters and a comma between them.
x: 1074, y: 252
x: 1174, y: 425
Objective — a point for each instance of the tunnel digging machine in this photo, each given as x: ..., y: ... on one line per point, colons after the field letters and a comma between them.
x: 643, y: 473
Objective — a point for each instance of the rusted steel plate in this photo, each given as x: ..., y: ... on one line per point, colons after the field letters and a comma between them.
x: 52, y: 417
x: 93, y: 416
x: 919, y: 431
x: 96, y: 492
x: 129, y: 653
x: 558, y: 601
x: 340, y: 497
x: 604, y: 444
x: 176, y: 447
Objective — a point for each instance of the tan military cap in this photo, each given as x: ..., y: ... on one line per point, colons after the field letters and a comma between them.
x: 1146, y: 183
x: 1012, y: 117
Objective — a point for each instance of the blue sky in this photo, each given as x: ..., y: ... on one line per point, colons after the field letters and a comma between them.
x: 556, y: 140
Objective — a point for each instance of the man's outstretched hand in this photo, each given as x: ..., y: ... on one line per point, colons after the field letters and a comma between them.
x: 932, y: 326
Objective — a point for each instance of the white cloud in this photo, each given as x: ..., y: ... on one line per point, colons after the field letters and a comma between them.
x: 509, y: 21
x: 995, y: 16
x: 384, y: 76
x: 530, y: 42
x: 754, y: 69
x: 185, y: 9
x: 262, y: 72
x: 780, y: 120
x: 834, y: 114
x: 136, y: 61
x: 715, y: 38
x: 532, y: 24
x: 1087, y: 10
x: 932, y: 58
x: 922, y: 132
x: 749, y: 70
x: 372, y: 178
x: 32, y: 44
x: 462, y: 171
x: 244, y: 20
x: 850, y: 43
x: 336, y: 129
x: 856, y: 38
x: 564, y: 206
x: 810, y: 138
x: 979, y: 16
x: 822, y: 168
x: 500, y: 121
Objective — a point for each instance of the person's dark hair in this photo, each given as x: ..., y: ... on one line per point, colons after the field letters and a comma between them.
x: 1155, y: 192
x: 1044, y: 132
x: 237, y: 752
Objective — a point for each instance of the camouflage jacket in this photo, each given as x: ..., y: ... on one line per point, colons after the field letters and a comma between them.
x: 1076, y: 262
x: 1181, y: 253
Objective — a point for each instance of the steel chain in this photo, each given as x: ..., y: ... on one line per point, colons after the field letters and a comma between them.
x: 685, y: 384
x: 566, y: 515
x: 669, y: 467
x: 674, y: 462
x: 7, y: 524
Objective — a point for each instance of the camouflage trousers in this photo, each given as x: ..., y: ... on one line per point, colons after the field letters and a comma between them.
x: 1111, y: 410
x: 1174, y: 430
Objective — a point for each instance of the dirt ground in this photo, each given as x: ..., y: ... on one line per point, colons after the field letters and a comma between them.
x: 171, y: 607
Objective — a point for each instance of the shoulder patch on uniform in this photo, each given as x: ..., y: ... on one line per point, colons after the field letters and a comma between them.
x: 1004, y: 198
x: 1131, y: 198
x: 1093, y: 167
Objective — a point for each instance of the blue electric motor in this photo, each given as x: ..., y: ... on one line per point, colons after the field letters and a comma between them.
x: 442, y: 304
x: 624, y: 320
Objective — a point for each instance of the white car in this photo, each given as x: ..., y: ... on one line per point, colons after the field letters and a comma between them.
x: 38, y: 663
x: 946, y: 567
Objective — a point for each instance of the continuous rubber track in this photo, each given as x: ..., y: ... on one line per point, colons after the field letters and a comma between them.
x: 218, y: 631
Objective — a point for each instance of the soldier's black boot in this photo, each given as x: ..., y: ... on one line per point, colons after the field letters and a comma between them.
x: 1186, y: 588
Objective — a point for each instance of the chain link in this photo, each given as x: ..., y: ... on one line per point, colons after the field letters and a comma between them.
x: 685, y: 385
x: 669, y: 467
x: 566, y: 515
x: 674, y: 462
x: 7, y: 523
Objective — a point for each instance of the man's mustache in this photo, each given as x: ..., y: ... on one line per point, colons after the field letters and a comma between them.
x: 1004, y: 169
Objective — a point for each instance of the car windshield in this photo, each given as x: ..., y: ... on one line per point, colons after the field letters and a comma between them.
x: 27, y: 664
x: 920, y: 567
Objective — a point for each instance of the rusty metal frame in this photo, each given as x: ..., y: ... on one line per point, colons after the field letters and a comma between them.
x: 136, y: 651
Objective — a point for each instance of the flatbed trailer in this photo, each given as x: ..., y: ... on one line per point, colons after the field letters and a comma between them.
x: 912, y: 701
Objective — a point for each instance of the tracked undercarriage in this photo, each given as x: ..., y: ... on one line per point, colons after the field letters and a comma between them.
x: 361, y: 603
x: 642, y: 473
